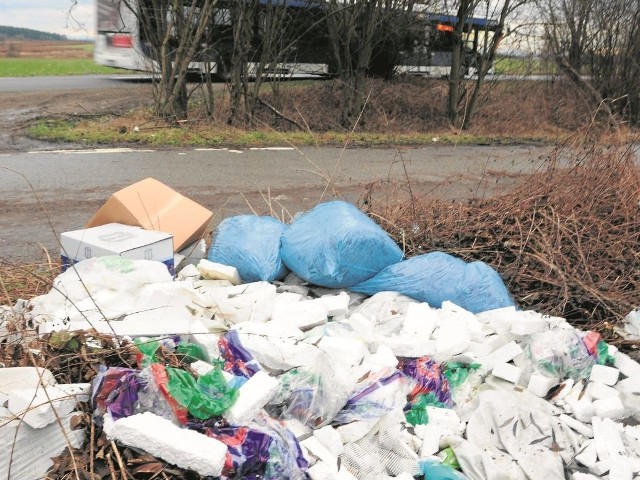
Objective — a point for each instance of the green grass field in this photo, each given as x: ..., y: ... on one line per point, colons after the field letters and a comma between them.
x: 33, y: 67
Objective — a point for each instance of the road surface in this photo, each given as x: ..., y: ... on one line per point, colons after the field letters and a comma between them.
x: 44, y: 193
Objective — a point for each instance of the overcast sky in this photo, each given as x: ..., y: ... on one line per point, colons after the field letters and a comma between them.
x: 50, y: 16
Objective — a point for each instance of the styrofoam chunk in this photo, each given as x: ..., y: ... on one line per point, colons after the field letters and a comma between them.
x: 626, y: 365
x: 528, y: 323
x: 588, y: 456
x: 161, y: 438
x: 629, y: 385
x: 504, y: 354
x: 354, y: 431
x: 420, y: 319
x: 40, y: 407
x: 582, y: 409
x: 445, y: 418
x: 578, y: 426
x: 604, y: 374
x: 600, y: 468
x: 318, y: 450
x: 330, y: 438
x: 217, y: 271
x: 303, y: 314
x: 430, y: 440
x: 252, y: 396
x: 583, y: 476
x: 540, y: 384
x: 335, y: 305
x: 507, y: 371
x: 599, y: 391
x: 611, y: 407
x: 620, y: 468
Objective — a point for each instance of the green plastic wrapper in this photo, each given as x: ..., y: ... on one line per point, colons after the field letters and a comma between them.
x: 205, y: 398
x: 604, y: 357
x: 148, y: 349
x: 418, y: 413
x: 192, y: 352
x: 457, y: 373
x: 448, y: 457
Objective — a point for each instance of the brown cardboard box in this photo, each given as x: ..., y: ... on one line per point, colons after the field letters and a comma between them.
x: 152, y: 205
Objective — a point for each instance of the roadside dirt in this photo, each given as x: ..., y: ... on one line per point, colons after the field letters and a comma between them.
x: 20, y: 110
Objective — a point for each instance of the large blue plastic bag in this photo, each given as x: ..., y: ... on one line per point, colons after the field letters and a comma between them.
x: 336, y: 245
x: 252, y: 245
x: 437, y: 276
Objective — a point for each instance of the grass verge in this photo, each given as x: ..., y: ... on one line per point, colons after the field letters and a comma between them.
x: 34, y: 67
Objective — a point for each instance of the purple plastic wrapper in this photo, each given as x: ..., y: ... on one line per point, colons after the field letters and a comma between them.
x: 428, y: 377
x: 115, y: 390
x: 237, y: 359
x: 383, y: 393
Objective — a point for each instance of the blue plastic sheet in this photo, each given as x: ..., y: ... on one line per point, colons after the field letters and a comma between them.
x: 252, y: 245
x: 437, y: 276
x: 336, y: 245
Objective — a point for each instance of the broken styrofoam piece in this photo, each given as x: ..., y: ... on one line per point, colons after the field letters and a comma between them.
x: 627, y: 366
x: 500, y: 319
x: 335, y: 305
x: 217, y: 271
x: 507, y: 371
x: 540, y: 384
x: 445, y: 418
x: 588, y: 455
x: 598, y: 391
x: 18, y: 378
x: 452, y: 337
x: 189, y: 272
x: 345, y: 351
x: 583, y: 476
x: 302, y: 314
x: 162, y: 438
x: 529, y: 322
x: 603, y: 374
x: 317, y: 451
x: 450, y: 310
x: 607, y: 438
x: 323, y: 471
x: 628, y: 385
x: 620, y: 468
x: 252, y: 397
x: 504, y: 354
x: 409, y: 346
x: 354, y: 431
x: 330, y: 438
x: 41, y: 407
x: 580, y: 427
x: 431, y: 435
x: 611, y: 407
x: 420, y: 319
x: 202, y: 368
x: 582, y: 409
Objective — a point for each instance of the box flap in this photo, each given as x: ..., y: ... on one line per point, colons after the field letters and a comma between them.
x: 154, y: 206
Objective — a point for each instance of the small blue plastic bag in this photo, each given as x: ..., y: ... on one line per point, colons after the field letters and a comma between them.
x: 336, y: 245
x: 437, y: 276
x: 252, y: 245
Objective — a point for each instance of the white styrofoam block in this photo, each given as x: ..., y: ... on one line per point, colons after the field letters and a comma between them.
x: 410, y: 346
x: 577, y: 425
x: 507, y: 371
x: 420, y: 319
x: 335, y: 305
x: 330, y: 438
x: 188, y: 272
x: 600, y: 468
x: 629, y: 385
x: 162, y: 438
x: 620, y: 468
x: 383, y: 357
x: 588, y: 455
x: 287, y: 297
x: 583, y: 476
x: 504, y: 354
x: 500, y: 319
x: 303, y: 314
x: 202, y: 368
x: 40, y: 407
x: 627, y: 366
x: 345, y: 351
x: 317, y: 450
x: 570, y: 390
x: 450, y: 312
x: 252, y: 396
x: 540, y: 384
x: 452, y: 337
x: 528, y: 323
x: 599, y: 391
x: 20, y: 378
x: 582, y: 409
x: 299, y: 429
x: 217, y: 271
x: 607, y: 438
x: 604, y: 374
x: 611, y: 407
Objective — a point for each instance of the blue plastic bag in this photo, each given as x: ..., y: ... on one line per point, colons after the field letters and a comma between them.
x: 437, y: 276
x: 252, y: 245
x: 336, y: 245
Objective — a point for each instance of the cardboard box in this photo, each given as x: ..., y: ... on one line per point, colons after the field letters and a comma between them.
x: 126, y: 241
x: 152, y: 205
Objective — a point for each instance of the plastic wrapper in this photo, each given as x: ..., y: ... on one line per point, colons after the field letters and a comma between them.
x: 207, y: 397
x: 434, y: 470
x: 428, y: 377
x: 437, y: 276
x: 560, y: 354
x: 286, y: 459
x: 248, y: 450
x: 376, y: 396
x: 252, y: 245
x: 115, y: 390
x: 161, y: 379
x: 237, y: 359
x: 336, y: 245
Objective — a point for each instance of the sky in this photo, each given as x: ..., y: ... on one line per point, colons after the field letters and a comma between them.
x: 51, y: 16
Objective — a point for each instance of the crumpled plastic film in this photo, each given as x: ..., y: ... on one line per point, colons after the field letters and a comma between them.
x: 115, y: 390
x: 207, y: 397
x: 237, y: 359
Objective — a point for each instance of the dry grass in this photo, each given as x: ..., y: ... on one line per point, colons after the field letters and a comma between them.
x: 45, y: 49
x: 565, y: 242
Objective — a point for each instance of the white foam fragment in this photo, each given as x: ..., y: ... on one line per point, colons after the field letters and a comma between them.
x: 528, y: 323
x: 582, y: 409
x: 202, y: 368
x: 473, y: 326
x: 354, y: 431
x: 629, y: 385
x: 252, y: 396
x: 588, y: 455
x: 620, y: 468
x: 600, y: 468
x: 583, y: 476
x: 302, y: 314
x: 345, y: 351
x: 161, y: 438
x: 599, y: 391
x: 452, y: 337
x: 504, y: 354
x: 335, y: 305
x: 500, y: 319
x: 578, y: 426
x: 611, y: 407
x: 627, y: 366
x: 420, y: 319
x: 410, y: 346
x: 330, y: 438
x: 603, y: 374
x: 445, y: 418
x: 507, y: 371
x: 217, y: 271
x: 540, y: 384
x: 40, y: 407
x: 607, y: 438
x: 318, y: 451
x: 431, y: 435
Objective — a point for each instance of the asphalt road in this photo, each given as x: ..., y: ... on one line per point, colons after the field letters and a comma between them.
x: 75, y: 82
x: 44, y: 193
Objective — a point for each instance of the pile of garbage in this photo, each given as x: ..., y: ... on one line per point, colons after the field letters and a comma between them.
x: 313, y: 350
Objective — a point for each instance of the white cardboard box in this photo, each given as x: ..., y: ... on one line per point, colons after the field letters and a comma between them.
x: 134, y: 243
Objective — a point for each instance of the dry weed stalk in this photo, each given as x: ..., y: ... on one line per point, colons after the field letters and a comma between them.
x: 565, y: 241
